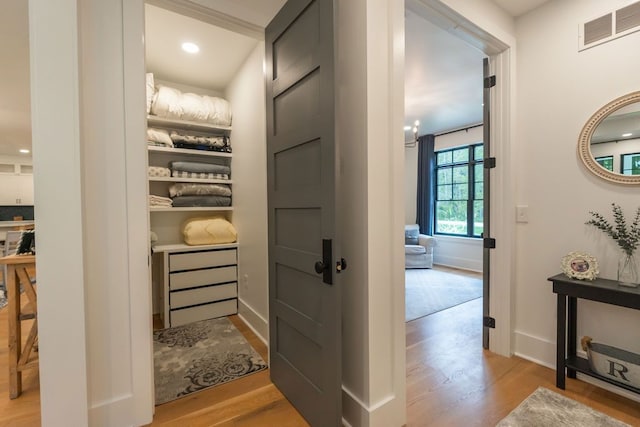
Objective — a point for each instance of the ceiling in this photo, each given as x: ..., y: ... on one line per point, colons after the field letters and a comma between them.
x: 222, y: 52
x: 433, y: 63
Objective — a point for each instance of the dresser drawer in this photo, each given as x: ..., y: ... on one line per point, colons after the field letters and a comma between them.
x: 203, y: 295
x: 195, y: 260
x: 202, y: 312
x: 209, y: 276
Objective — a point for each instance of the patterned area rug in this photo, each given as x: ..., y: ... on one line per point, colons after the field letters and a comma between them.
x: 199, y: 355
x: 428, y: 291
x: 3, y: 298
x: 547, y: 408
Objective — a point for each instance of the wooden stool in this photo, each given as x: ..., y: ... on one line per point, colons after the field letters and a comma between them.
x: 17, y: 275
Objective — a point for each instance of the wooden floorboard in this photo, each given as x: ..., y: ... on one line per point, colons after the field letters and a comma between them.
x: 451, y: 381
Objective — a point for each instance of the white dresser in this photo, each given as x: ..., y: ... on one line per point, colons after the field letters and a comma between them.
x: 199, y: 282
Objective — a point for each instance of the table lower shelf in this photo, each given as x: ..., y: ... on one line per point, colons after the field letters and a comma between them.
x: 580, y: 364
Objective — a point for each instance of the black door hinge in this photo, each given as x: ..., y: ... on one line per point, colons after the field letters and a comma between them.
x: 489, y: 82
x: 489, y: 322
x: 489, y: 163
x: 489, y: 243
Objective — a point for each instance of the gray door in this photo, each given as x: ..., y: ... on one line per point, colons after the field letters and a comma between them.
x: 304, y: 301
x: 488, y: 242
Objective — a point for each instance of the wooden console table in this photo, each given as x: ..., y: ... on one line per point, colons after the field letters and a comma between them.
x: 568, y: 291
x: 20, y: 357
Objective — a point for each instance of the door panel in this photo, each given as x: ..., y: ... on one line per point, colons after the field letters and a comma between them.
x: 304, y: 311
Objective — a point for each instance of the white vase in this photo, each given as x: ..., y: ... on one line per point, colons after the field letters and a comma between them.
x: 628, y: 270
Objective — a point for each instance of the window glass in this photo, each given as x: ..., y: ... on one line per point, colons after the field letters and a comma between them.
x: 459, y: 191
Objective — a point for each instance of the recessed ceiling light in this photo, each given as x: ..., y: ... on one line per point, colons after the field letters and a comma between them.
x: 24, y: 151
x: 407, y: 128
x: 624, y: 135
x: 190, y: 47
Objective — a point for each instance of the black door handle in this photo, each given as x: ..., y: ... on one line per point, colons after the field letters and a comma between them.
x: 324, y: 267
x: 320, y: 267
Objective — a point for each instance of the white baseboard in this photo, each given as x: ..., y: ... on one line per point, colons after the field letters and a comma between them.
x: 357, y: 414
x: 535, y: 349
x: 258, y: 324
x: 456, y: 262
x: 119, y: 411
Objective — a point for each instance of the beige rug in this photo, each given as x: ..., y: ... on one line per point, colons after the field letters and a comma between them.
x: 428, y: 291
x: 545, y: 408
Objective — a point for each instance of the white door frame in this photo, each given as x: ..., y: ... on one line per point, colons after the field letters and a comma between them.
x: 502, y: 222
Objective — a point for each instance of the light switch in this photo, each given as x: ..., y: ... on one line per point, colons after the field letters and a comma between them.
x: 522, y: 213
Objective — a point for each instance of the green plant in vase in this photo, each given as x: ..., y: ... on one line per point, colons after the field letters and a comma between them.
x: 626, y: 236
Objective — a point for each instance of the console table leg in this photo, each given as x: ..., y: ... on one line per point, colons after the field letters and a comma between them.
x: 572, y: 316
x: 560, y: 340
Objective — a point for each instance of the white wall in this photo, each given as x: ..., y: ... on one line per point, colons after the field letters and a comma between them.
x: 558, y: 90
x: 451, y: 251
x: 56, y: 143
x: 369, y: 90
x: 249, y: 173
x: 94, y: 298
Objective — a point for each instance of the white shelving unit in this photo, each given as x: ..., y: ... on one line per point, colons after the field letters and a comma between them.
x: 192, y: 282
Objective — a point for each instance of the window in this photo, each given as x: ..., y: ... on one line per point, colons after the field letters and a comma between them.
x: 630, y: 164
x: 606, y: 162
x: 459, y: 191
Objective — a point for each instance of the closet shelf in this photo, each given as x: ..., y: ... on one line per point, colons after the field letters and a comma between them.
x: 189, y: 209
x: 187, y: 248
x: 199, y: 153
x: 185, y: 124
x: 203, y: 181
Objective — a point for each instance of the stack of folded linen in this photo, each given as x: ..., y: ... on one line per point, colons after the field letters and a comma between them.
x: 199, y: 170
x: 192, y: 194
x: 159, y: 201
x: 171, y: 103
x: 159, y: 171
x: 198, y: 142
x: 158, y: 137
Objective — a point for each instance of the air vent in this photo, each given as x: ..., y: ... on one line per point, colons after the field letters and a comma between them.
x: 598, y: 29
x: 628, y: 17
x: 610, y: 26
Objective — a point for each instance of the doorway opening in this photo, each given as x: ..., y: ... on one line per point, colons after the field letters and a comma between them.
x: 207, y: 215
x: 444, y: 168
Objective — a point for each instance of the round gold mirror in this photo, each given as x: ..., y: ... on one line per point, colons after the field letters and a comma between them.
x: 609, y: 144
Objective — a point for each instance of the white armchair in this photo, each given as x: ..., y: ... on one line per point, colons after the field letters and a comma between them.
x: 418, y: 248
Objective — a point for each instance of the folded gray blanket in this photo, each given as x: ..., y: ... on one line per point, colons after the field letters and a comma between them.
x: 200, y: 167
x: 190, y: 189
x: 201, y: 201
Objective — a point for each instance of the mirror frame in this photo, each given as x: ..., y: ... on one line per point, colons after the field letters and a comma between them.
x: 584, y: 141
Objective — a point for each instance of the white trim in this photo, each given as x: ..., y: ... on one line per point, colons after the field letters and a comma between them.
x: 258, y: 324
x: 210, y: 16
x: 54, y: 50
x: 141, y: 405
x: 535, y: 349
x: 502, y: 190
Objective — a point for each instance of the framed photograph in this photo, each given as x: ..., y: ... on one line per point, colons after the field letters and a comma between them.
x: 580, y: 265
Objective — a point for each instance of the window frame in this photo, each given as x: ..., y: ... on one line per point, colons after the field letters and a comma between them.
x: 622, y: 157
x: 471, y: 164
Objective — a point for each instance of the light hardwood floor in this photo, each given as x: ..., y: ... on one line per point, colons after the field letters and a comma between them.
x: 451, y: 382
